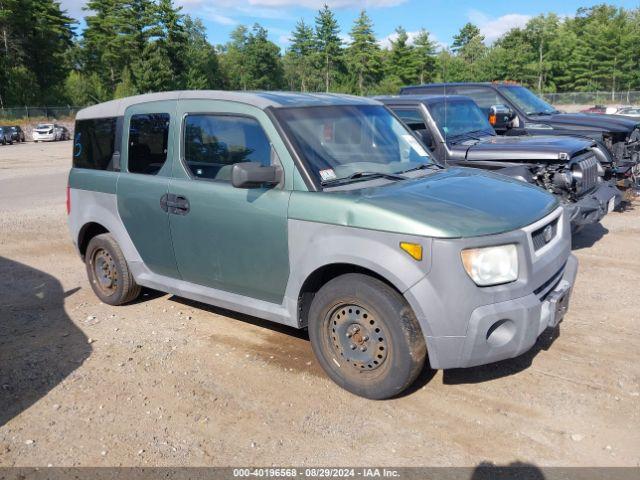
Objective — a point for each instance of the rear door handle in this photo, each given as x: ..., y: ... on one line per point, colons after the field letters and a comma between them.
x: 176, y: 204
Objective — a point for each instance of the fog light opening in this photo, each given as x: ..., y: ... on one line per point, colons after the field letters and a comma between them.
x: 501, y: 333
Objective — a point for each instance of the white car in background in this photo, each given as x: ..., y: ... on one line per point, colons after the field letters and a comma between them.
x: 45, y: 132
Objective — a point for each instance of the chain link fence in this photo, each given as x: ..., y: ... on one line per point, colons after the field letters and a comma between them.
x: 593, y: 98
x: 50, y: 113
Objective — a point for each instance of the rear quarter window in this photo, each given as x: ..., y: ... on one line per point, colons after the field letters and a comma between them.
x: 94, y: 143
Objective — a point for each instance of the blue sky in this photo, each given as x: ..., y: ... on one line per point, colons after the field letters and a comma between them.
x: 442, y: 18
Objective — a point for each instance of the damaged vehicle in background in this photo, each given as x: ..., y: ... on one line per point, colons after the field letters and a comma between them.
x: 516, y: 110
x: 458, y: 133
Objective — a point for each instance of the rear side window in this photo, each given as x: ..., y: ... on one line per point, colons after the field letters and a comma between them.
x: 94, y: 143
x: 213, y: 143
x: 148, y: 140
x: 485, y: 97
x: 411, y: 117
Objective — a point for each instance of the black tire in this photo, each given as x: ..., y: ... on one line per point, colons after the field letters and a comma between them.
x: 355, y: 309
x: 108, y: 272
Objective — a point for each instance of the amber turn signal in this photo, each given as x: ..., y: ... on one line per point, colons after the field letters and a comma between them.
x: 412, y: 249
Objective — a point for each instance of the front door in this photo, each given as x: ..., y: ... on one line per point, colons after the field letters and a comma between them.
x: 227, y: 238
x: 146, y: 167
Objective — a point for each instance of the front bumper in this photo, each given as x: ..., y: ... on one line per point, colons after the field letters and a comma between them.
x: 49, y: 137
x: 592, y: 207
x: 466, y: 325
x: 508, y: 329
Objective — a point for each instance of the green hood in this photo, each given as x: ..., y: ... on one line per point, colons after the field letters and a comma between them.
x: 453, y: 203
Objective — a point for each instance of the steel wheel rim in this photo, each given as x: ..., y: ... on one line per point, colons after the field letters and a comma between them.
x: 357, y: 337
x: 105, y: 272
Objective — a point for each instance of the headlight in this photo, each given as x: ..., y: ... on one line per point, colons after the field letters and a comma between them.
x: 491, y: 265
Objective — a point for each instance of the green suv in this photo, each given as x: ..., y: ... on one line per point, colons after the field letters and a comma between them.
x: 321, y: 212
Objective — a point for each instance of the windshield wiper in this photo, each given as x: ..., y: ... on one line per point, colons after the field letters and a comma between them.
x: 542, y: 113
x: 361, y: 175
x: 423, y: 166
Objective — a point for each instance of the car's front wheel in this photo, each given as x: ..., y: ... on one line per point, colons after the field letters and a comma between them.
x: 108, y: 272
x: 365, y: 336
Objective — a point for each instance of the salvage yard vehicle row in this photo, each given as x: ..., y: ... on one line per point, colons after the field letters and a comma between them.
x: 458, y: 133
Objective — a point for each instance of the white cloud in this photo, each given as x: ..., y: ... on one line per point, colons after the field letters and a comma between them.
x: 214, y: 16
x: 494, y: 28
x: 225, y: 12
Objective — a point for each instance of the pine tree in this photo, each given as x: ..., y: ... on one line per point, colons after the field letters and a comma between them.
x: 328, y: 44
x: 263, y: 61
x: 364, y: 54
x: 301, y: 53
x: 126, y: 87
x: 232, y: 59
x: 201, y: 59
x: 425, y: 56
x: 539, y: 31
x: 35, y: 37
x: 465, y: 36
x: 251, y: 60
x: 154, y: 72
x: 401, y: 61
x: 115, y: 37
x: 173, y: 39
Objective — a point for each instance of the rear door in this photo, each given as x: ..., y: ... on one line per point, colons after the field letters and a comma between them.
x: 146, y: 166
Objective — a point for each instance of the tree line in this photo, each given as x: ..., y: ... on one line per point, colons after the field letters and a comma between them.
x: 138, y: 46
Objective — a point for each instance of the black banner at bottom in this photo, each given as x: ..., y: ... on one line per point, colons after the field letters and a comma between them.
x: 480, y: 472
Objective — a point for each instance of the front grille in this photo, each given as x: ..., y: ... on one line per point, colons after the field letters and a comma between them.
x: 586, y: 171
x: 538, y: 236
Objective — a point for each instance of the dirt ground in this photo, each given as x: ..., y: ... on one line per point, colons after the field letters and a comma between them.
x: 168, y: 382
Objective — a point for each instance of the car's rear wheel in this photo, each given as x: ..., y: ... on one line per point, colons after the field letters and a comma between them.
x: 108, y: 272
x: 365, y: 336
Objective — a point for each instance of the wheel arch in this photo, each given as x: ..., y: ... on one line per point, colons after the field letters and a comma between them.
x: 321, y: 275
x: 88, y: 231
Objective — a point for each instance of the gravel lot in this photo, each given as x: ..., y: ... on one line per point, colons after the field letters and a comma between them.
x: 170, y: 382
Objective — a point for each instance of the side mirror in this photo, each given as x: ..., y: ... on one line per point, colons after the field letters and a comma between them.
x: 254, y: 175
x: 500, y: 116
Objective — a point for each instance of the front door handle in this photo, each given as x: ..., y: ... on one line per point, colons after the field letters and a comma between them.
x: 176, y: 204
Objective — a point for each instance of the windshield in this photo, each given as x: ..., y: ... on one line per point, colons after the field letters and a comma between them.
x: 527, y: 101
x: 44, y: 125
x: 459, y: 117
x: 337, y: 142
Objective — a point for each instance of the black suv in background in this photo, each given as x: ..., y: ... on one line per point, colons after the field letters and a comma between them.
x: 457, y: 132
x: 515, y: 110
x: 17, y: 133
